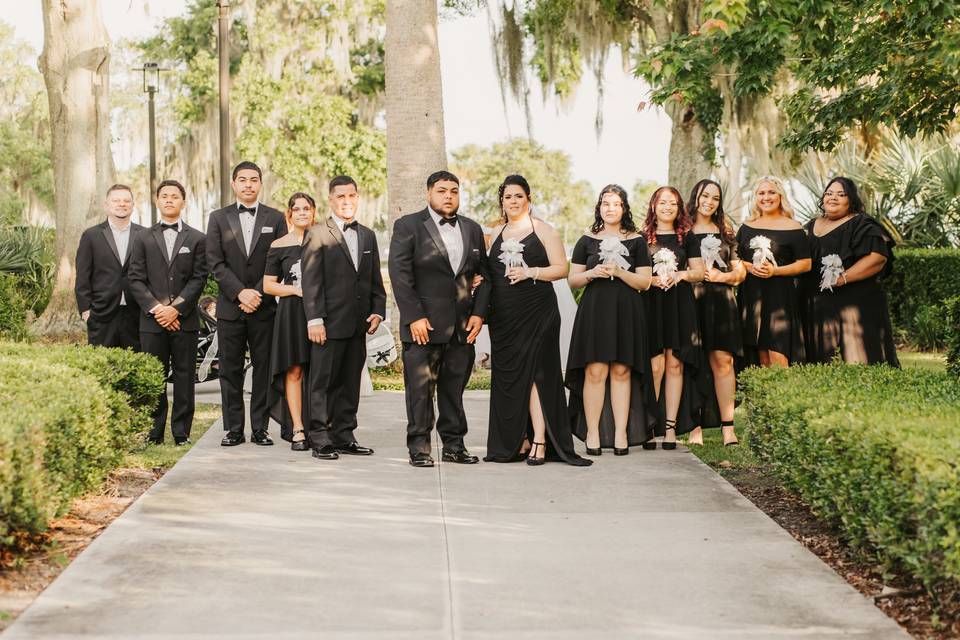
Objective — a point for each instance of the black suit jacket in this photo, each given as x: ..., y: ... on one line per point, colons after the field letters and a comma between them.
x: 178, y: 282
x: 229, y: 263
x: 333, y: 289
x: 425, y: 286
x: 101, y: 274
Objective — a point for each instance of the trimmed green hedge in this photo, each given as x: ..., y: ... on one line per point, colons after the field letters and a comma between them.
x: 873, y: 450
x: 67, y: 414
x: 953, y: 336
x: 921, y: 282
x: 13, y: 309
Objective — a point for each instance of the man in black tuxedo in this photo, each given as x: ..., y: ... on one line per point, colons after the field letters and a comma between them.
x: 238, y: 237
x: 103, y: 297
x: 168, y: 269
x: 343, y: 300
x: 434, y: 256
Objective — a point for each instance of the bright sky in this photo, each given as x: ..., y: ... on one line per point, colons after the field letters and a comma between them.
x: 633, y: 145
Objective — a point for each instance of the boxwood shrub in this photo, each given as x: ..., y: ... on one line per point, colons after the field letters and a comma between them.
x: 953, y: 336
x: 921, y: 282
x: 874, y: 450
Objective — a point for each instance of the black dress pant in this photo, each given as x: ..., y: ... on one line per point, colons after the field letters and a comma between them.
x: 443, y: 369
x: 122, y: 329
x: 335, y: 370
x: 177, y: 350
x: 233, y: 338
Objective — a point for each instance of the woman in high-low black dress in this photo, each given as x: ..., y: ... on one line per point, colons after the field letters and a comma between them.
x: 528, y: 409
x: 290, y: 351
x: 720, y: 335
x: 851, y: 320
x: 608, y: 370
x: 672, y: 314
x: 769, y: 298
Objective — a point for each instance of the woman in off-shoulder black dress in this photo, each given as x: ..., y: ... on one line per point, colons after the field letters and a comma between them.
x: 528, y: 408
x: 720, y: 335
x: 290, y: 351
x: 849, y: 317
x: 672, y: 313
x: 612, y: 403
x: 769, y: 298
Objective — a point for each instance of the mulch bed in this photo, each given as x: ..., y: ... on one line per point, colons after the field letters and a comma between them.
x: 900, y: 597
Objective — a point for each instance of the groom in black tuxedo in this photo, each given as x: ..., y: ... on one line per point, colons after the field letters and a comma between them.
x: 343, y: 301
x: 168, y: 269
x: 434, y: 256
x: 238, y: 237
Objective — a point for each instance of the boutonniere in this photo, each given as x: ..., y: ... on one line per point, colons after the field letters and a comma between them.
x: 710, y: 252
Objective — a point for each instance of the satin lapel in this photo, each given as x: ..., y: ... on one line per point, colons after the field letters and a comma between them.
x: 178, y: 243
x: 257, y: 226
x: 157, y: 234
x: 437, y: 240
x: 361, y: 245
x: 466, y: 244
x: 334, y: 230
x: 108, y: 234
x: 233, y: 218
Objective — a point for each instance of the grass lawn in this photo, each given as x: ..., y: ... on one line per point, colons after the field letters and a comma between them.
x: 160, y: 457
x: 934, y: 361
x: 391, y: 379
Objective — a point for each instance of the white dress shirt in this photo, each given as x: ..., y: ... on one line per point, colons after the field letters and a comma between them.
x: 169, y: 239
x: 247, y: 221
x: 121, y: 237
x: 350, y: 237
x: 452, y: 239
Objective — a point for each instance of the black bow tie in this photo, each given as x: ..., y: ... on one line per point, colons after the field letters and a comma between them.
x: 452, y: 220
x: 350, y: 225
x: 243, y: 209
x: 175, y: 226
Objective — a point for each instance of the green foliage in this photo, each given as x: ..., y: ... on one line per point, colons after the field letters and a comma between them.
x: 953, y: 336
x: 28, y: 254
x: 872, y: 450
x: 921, y: 282
x: 557, y: 198
x: 13, y: 309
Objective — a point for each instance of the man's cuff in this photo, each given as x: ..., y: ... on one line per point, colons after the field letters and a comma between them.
x: 378, y: 316
x: 316, y: 322
x: 154, y: 308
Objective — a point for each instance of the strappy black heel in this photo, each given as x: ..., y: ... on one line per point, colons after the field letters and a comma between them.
x: 734, y: 442
x: 670, y: 446
x: 533, y: 461
x: 299, y: 445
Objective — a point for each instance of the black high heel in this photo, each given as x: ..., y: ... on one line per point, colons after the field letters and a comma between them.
x: 536, y: 462
x: 649, y: 445
x: 594, y: 452
x: 729, y: 423
x: 299, y: 445
x: 621, y: 452
x: 670, y: 446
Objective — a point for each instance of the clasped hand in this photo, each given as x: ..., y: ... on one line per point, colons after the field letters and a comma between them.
x: 765, y: 270
x: 715, y: 275
x: 665, y: 283
x: 167, y: 317
x: 604, y: 271
x: 518, y: 274
x: 249, y: 300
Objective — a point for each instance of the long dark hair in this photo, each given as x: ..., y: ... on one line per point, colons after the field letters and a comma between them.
x: 856, y: 204
x: 681, y: 224
x: 300, y: 194
x: 627, y: 225
x: 513, y: 179
x: 718, y: 218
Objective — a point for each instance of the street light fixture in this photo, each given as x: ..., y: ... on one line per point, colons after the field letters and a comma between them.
x: 151, y: 85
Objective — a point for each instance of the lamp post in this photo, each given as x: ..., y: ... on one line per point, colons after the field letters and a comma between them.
x: 223, y: 50
x: 151, y: 84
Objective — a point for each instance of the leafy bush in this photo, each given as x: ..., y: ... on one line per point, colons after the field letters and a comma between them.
x: 28, y: 253
x: 873, y: 450
x: 13, y: 310
x: 921, y: 279
x: 953, y: 336
x: 929, y: 330
x: 55, y: 443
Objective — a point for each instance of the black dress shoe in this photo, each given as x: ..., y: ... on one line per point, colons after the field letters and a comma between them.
x: 261, y: 438
x: 354, y: 449
x: 326, y: 452
x: 421, y: 460
x: 232, y: 439
x: 460, y: 457
x: 182, y: 443
x: 299, y: 446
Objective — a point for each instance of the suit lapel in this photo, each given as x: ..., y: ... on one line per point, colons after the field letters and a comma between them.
x: 178, y: 243
x: 257, y: 227
x: 466, y: 243
x: 233, y: 218
x: 361, y: 245
x: 157, y: 234
x: 334, y: 229
x: 108, y: 235
x: 431, y: 228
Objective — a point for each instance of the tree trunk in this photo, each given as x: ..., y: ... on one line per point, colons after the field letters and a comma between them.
x: 687, y: 164
x: 415, y: 138
x: 76, y: 70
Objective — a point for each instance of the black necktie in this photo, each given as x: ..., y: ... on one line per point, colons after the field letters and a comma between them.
x: 452, y: 220
x: 350, y: 225
x: 175, y: 226
x: 243, y: 209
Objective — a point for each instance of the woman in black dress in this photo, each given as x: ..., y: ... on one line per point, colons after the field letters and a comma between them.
x: 775, y: 251
x: 672, y: 313
x: 528, y: 410
x: 720, y: 336
x: 846, y: 308
x: 608, y: 369
x: 290, y: 352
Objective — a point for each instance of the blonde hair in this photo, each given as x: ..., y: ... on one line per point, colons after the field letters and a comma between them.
x: 779, y: 188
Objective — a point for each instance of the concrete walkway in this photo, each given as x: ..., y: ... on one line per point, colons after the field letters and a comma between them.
x: 262, y: 542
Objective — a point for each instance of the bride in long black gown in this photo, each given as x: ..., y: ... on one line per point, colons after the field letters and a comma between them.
x: 528, y: 409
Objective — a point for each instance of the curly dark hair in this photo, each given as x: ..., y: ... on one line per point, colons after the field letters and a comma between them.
x: 627, y: 225
x: 513, y: 179
x: 718, y: 218
x: 681, y: 224
x: 856, y: 204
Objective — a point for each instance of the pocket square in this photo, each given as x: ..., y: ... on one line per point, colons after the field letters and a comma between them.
x: 367, y: 251
x: 476, y: 250
x: 184, y: 250
x: 266, y: 230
